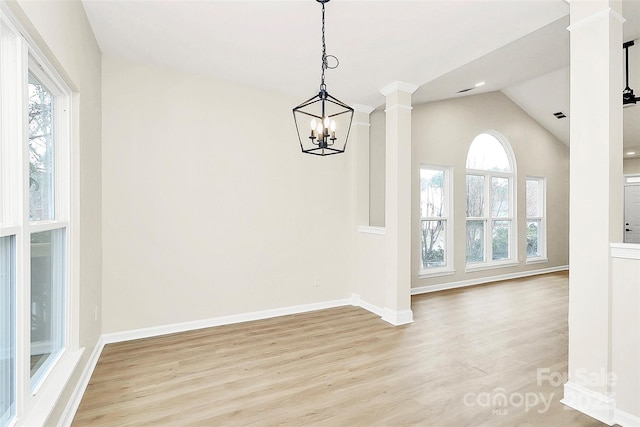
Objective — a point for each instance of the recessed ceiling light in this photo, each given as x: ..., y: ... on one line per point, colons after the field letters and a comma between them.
x: 630, y: 153
x: 470, y: 88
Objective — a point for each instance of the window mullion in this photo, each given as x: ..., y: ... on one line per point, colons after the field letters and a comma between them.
x: 488, y: 213
x: 40, y: 226
x: 23, y: 270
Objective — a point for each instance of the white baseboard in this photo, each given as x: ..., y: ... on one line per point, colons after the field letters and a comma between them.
x: 76, y: 397
x: 626, y: 419
x: 598, y: 406
x: 219, y: 321
x: 482, y: 280
x: 397, y: 318
x: 595, y: 405
x: 359, y: 302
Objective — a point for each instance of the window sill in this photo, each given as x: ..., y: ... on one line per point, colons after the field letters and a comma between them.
x: 536, y: 260
x: 492, y: 266
x: 52, y: 387
x: 425, y: 274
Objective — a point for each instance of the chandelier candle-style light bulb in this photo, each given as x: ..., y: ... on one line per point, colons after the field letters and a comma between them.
x: 313, y: 129
x: 326, y: 112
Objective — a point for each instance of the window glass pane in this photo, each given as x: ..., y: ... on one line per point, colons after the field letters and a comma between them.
x: 500, y: 240
x: 431, y: 193
x: 41, y: 155
x: 500, y: 197
x: 7, y: 329
x: 433, y: 236
x: 475, y: 241
x: 487, y: 153
x: 533, y: 238
x: 532, y: 198
x: 475, y: 196
x: 47, y: 288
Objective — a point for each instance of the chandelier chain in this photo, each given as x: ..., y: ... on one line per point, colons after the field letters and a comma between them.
x: 324, y: 53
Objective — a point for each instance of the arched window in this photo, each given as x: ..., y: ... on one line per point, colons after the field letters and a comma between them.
x: 490, y: 202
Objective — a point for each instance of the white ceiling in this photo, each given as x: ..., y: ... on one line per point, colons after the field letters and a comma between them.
x: 518, y: 46
x: 548, y: 93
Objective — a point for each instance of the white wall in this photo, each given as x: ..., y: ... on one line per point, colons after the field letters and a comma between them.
x: 370, y: 269
x: 442, y: 133
x: 62, y: 31
x: 210, y: 209
x: 625, y: 327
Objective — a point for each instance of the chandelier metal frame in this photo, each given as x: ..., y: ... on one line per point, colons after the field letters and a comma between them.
x: 323, y: 110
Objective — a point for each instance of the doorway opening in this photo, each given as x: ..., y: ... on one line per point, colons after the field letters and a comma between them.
x: 632, y: 209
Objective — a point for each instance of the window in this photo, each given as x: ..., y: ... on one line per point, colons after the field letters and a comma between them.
x: 7, y: 329
x: 41, y: 151
x: 35, y: 227
x: 536, y: 227
x: 436, y: 224
x: 47, y: 223
x: 490, y: 209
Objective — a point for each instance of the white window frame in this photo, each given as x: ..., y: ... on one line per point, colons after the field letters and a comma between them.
x: 9, y: 353
x: 448, y: 216
x: 542, y: 210
x: 487, y: 216
x: 19, y: 54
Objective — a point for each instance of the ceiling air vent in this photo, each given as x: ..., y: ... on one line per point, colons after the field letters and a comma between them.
x: 560, y: 115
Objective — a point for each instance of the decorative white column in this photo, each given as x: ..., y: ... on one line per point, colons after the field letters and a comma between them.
x: 596, y: 211
x: 397, y: 310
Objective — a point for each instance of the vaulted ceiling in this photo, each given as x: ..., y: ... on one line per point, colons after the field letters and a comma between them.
x: 520, y: 47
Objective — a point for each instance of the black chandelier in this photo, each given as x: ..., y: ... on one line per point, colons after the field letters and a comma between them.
x: 323, y: 122
x: 628, y: 98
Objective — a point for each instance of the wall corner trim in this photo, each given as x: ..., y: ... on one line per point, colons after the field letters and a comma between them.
x: 595, y: 405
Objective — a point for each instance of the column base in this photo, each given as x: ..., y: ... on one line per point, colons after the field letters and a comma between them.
x: 397, y: 318
x: 595, y: 405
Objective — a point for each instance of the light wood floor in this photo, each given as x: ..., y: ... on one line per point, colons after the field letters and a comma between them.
x: 346, y: 367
